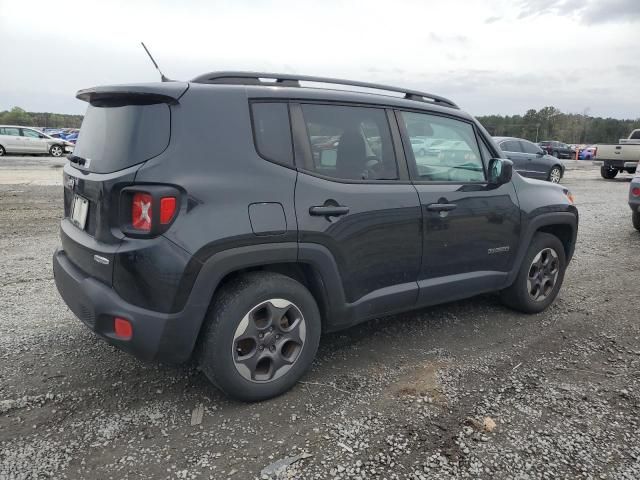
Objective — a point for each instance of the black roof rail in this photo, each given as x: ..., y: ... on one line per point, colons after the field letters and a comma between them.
x: 288, y: 80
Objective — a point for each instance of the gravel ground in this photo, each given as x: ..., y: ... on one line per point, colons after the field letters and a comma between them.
x: 464, y: 390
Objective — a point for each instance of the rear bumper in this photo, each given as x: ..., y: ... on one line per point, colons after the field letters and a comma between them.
x: 159, y: 336
x: 619, y: 164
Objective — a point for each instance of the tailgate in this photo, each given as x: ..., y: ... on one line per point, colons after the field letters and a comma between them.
x: 92, y: 243
x: 626, y: 153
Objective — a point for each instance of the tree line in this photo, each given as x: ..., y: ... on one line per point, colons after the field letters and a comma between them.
x: 18, y: 116
x: 549, y: 123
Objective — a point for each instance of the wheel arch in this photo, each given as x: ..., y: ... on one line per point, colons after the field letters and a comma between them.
x: 563, y: 225
x: 310, y: 264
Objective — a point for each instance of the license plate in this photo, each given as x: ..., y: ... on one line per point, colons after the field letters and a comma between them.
x: 79, y: 210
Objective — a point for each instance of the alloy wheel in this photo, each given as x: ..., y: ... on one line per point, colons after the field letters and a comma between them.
x: 56, y: 151
x: 269, y: 340
x: 543, y: 274
x: 555, y: 176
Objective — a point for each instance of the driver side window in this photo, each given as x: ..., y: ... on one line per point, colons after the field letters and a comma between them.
x: 443, y: 149
x: 350, y: 143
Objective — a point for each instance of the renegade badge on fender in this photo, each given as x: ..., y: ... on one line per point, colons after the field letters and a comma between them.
x: 238, y: 216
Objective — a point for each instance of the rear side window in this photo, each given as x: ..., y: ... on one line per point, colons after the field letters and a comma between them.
x: 510, y: 146
x: 635, y: 135
x: 116, y: 137
x: 350, y: 143
x: 272, y: 131
x: 10, y: 131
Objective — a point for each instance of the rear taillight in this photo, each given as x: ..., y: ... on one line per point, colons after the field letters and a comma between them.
x: 635, y: 191
x: 167, y: 209
x: 148, y: 210
x: 141, y: 211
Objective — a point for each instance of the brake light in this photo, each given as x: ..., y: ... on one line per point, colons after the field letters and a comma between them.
x: 635, y: 191
x: 141, y: 211
x: 167, y: 209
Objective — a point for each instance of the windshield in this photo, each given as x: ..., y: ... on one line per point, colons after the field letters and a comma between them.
x: 116, y: 137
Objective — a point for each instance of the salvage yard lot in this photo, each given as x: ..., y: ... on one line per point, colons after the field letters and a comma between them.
x: 399, y: 397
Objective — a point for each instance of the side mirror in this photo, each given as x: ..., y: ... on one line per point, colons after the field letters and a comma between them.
x: 540, y: 153
x: 500, y: 171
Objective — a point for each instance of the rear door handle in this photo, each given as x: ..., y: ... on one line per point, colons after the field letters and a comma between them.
x: 441, y: 207
x: 328, y: 210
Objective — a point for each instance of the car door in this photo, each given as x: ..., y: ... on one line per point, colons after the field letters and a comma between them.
x: 513, y: 151
x: 354, y: 200
x: 33, y: 141
x: 537, y: 164
x: 11, y: 140
x: 470, y: 227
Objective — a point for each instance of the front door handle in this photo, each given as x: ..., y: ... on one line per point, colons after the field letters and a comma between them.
x: 328, y: 210
x: 441, y: 207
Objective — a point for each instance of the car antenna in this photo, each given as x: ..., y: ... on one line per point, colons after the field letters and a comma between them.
x: 162, y: 77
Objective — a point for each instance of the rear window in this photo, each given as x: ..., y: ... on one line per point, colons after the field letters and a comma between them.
x: 113, y: 138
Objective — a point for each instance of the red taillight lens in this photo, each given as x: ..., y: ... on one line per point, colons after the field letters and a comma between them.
x: 635, y: 191
x: 141, y: 212
x: 167, y: 209
x: 122, y: 328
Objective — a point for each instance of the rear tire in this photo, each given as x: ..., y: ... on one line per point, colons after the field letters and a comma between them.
x: 540, y: 276
x: 632, y: 171
x: 261, y: 335
x: 2, y: 151
x: 635, y: 218
x: 555, y: 175
x: 608, y: 173
x: 56, y: 151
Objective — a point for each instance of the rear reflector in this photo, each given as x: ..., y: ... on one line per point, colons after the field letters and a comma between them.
x: 141, y: 212
x: 635, y: 191
x: 122, y: 328
x: 167, y: 209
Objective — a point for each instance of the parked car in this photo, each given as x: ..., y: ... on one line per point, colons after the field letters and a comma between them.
x: 624, y: 156
x: 558, y: 149
x: 219, y: 233
x: 530, y: 160
x: 587, y: 153
x: 420, y: 146
x: 17, y: 139
x: 634, y: 200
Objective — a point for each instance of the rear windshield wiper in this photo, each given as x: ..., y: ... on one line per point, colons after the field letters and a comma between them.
x: 78, y: 160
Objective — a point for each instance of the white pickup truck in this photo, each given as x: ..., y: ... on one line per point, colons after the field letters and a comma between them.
x: 618, y: 158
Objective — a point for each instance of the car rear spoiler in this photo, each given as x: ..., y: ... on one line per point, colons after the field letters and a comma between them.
x: 139, y: 94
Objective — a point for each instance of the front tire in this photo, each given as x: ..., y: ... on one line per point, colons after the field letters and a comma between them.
x: 608, y: 173
x: 56, y: 151
x: 555, y: 175
x: 261, y: 335
x: 540, y: 276
x: 635, y: 218
x: 2, y: 151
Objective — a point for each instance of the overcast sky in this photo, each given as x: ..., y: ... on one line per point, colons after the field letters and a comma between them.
x: 491, y: 56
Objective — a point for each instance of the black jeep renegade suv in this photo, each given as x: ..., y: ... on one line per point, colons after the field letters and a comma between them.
x: 238, y: 216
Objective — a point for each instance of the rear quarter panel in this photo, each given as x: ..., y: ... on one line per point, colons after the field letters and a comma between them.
x: 212, y: 157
